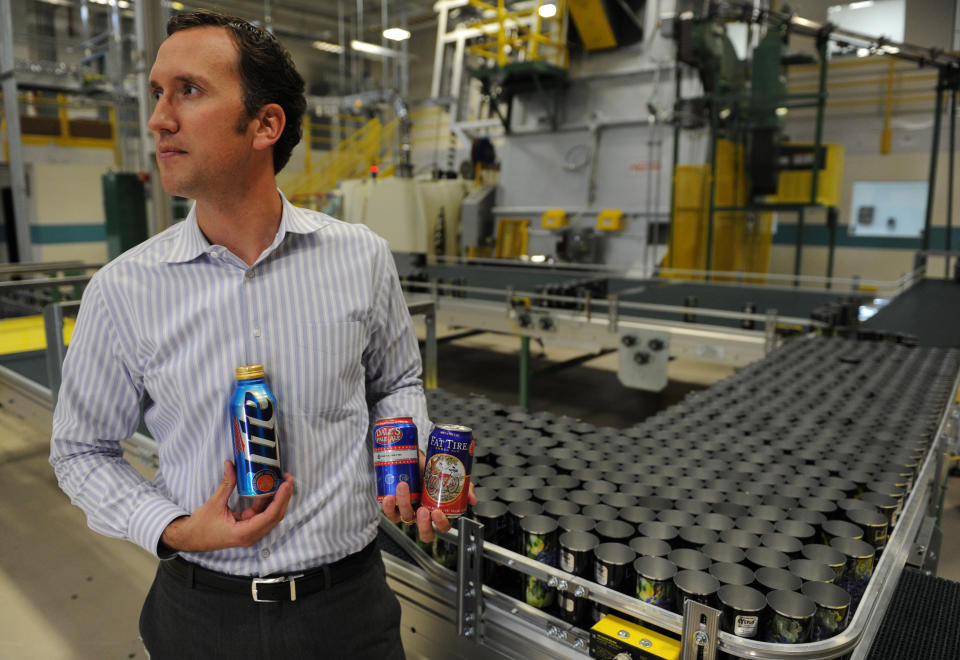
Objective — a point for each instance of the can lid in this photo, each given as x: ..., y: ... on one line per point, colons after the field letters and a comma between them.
x: 616, y: 554
x: 778, y: 578
x: 826, y: 595
x: 741, y: 598
x: 809, y: 570
x: 579, y: 541
x: 730, y: 573
x: 824, y: 554
x: 696, y: 583
x: 250, y: 371
x: 791, y: 604
x: 655, y: 568
x: 537, y: 524
x: 867, y: 517
x: 649, y: 547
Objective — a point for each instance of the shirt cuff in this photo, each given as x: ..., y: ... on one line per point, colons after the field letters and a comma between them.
x: 148, y: 522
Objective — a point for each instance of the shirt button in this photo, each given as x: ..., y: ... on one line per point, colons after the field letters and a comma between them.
x: 250, y: 274
x: 256, y: 332
x: 264, y: 553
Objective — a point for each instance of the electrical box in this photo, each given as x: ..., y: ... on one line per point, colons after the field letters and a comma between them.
x: 554, y: 219
x: 644, y: 356
x: 610, y: 220
x: 125, y: 209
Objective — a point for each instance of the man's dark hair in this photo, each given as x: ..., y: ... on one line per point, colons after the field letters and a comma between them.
x: 267, y: 74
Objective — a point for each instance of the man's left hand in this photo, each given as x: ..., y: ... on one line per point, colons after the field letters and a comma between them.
x: 399, y: 509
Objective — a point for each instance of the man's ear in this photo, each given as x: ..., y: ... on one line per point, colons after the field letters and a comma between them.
x: 270, y: 123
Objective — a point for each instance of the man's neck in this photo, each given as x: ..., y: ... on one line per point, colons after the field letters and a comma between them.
x: 245, y: 223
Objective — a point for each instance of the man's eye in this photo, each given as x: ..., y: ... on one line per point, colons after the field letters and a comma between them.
x: 189, y: 90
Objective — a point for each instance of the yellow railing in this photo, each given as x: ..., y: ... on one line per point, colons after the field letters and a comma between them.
x: 521, y: 35
x: 64, y: 130
x: 373, y: 144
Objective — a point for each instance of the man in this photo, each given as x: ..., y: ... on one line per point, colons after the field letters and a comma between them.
x: 246, y: 279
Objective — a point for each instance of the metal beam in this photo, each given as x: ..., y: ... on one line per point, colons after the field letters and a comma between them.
x: 18, y: 174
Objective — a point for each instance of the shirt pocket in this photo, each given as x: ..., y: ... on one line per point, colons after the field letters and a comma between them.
x: 330, y: 376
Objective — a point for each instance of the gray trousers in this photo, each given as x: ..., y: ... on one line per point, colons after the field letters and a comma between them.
x: 357, y: 618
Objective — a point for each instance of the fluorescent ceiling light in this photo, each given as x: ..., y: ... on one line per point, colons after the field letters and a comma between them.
x: 328, y: 47
x: 396, y: 34
x: 372, y: 49
x: 547, y: 11
x: 863, y: 52
x: 860, y: 5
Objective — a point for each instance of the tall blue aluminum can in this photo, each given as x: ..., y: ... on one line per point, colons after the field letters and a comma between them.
x: 256, y: 438
x: 396, y: 457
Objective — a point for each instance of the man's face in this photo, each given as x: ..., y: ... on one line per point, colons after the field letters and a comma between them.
x: 202, y: 132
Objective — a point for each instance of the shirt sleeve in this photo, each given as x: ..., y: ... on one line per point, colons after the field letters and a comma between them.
x: 99, y: 406
x: 393, y: 366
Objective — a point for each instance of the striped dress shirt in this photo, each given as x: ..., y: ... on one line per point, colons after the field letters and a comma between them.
x: 165, y: 325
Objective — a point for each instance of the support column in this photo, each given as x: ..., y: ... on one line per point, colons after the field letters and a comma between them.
x: 524, y: 370
x: 18, y: 174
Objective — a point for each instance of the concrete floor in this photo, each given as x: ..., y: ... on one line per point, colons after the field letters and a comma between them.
x: 70, y: 594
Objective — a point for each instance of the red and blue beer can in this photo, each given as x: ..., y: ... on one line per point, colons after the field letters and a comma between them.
x: 446, y: 474
x: 395, y: 457
x: 256, y: 437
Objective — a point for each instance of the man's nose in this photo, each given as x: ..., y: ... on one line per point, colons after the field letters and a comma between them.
x: 162, y: 119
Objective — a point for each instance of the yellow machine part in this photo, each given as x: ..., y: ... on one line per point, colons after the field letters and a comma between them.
x: 613, y: 636
x: 793, y: 186
x: 553, y: 219
x: 741, y: 241
x: 511, y: 239
x: 593, y: 24
x: 610, y: 220
x: 23, y: 334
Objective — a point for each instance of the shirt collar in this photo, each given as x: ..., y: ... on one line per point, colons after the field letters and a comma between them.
x: 189, y: 243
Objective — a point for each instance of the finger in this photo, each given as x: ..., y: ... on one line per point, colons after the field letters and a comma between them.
x: 403, y: 502
x: 471, y: 497
x: 441, y: 521
x: 267, y: 519
x: 283, y: 496
x: 227, y: 483
x: 424, y: 525
x: 390, y: 508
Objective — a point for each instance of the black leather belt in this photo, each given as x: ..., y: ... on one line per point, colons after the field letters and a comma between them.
x: 275, y: 588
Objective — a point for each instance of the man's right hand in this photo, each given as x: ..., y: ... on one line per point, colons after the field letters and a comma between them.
x: 214, y: 526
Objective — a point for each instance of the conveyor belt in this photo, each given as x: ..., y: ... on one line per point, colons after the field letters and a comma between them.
x: 731, y: 297
x: 923, y: 622
x: 930, y: 311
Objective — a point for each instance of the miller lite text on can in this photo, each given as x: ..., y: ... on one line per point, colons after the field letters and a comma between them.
x: 446, y: 474
x: 256, y: 438
x: 395, y: 457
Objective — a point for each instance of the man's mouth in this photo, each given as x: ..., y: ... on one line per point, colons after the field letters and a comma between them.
x: 169, y: 152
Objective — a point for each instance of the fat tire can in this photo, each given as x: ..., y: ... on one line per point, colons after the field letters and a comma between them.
x: 395, y: 457
x: 446, y: 473
x: 256, y: 437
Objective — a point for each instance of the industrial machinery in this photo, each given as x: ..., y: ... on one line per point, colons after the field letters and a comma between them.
x: 816, y: 420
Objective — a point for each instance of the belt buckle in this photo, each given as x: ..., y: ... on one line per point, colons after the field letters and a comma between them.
x: 292, y: 579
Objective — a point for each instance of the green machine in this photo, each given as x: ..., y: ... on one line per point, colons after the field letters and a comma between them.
x: 125, y: 207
